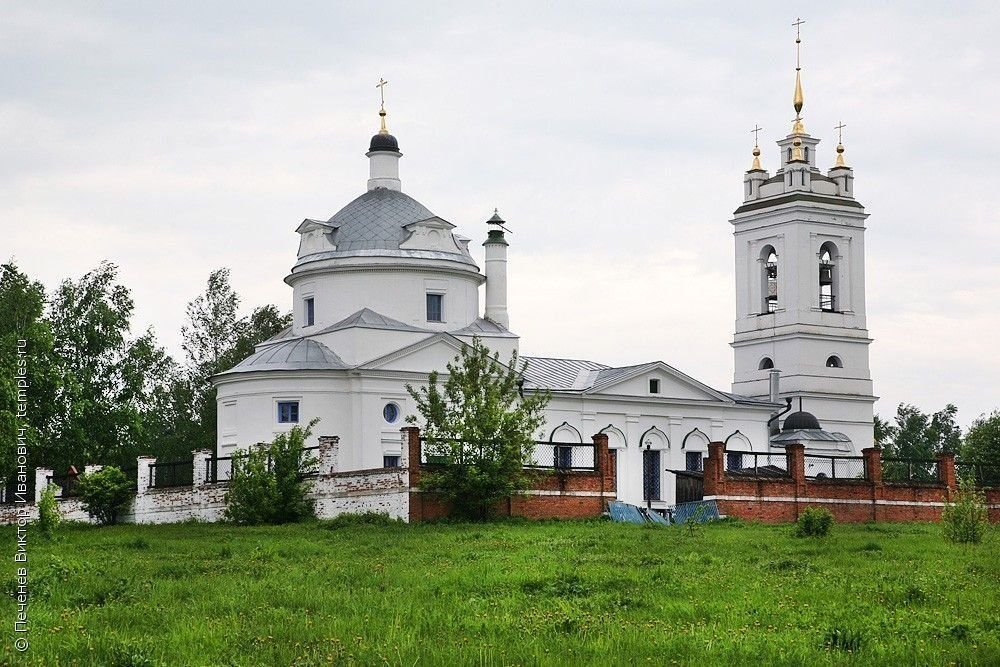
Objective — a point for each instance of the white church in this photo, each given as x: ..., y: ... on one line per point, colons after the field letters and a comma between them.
x: 385, y: 291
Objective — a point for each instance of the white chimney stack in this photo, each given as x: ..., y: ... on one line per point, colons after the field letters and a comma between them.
x: 496, y: 272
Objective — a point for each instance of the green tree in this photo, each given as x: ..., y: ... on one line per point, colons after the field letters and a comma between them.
x: 982, y: 441
x: 270, y: 483
x: 480, y: 427
x: 917, y: 435
x: 105, y: 494
x: 215, y: 339
x: 22, y: 303
x: 113, y: 387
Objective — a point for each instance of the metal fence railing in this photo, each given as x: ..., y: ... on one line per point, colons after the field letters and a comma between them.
x: 562, y: 456
x: 910, y: 470
x: 68, y: 485
x: 132, y: 475
x: 835, y: 467
x: 220, y: 468
x: 982, y: 474
x: 756, y: 464
x: 169, y: 474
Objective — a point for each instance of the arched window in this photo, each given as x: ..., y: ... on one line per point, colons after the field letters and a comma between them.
x: 769, y: 280
x: 828, y: 278
x: 805, y: 152
x: 834, y: 362
x: 765, y: 364
x: 789, y: 154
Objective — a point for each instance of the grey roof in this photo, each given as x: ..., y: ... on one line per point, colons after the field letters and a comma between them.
x: 368, y: 319
x: 298, y: 354
x: 809, y: 434
x: 375, y: 220
x: 561, y: 374
x: 481, y: 326
x: 284, y: 333
x: 609, y: 376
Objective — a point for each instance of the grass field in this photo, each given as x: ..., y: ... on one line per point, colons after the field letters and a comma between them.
x: 508, y: 593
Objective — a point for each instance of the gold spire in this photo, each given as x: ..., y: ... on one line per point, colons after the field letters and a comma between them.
x: 840, y: 144
x: 381, y: 88
x: 756, y: 148
x: 798, y: 98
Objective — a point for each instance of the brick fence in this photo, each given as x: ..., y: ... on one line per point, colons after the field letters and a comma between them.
x: 573, y: 494
x: 773, y: 499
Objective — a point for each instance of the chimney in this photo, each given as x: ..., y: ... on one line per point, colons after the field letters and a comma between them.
x: 496, y: 272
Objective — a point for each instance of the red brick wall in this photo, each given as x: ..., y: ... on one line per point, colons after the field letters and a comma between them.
x: 573, y: 495
x: 850, y: 501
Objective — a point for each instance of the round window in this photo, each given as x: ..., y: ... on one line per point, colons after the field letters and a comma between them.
x: 390, y: 412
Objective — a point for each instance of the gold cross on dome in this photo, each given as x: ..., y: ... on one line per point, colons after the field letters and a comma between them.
x: 798, y: 40
x: 840, y: 132
x: 754, y: 131
x: 381, y: 89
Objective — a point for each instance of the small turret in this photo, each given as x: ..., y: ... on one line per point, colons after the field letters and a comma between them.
x: 496, y: 271
x: 383, y: 153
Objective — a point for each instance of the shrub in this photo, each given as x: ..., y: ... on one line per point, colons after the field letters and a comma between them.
x: 361, y: 519
x: 814, y: 522
x: 48, y: 512
x: 105, y: 494
x: 268, y: 484
x: 965, y: 520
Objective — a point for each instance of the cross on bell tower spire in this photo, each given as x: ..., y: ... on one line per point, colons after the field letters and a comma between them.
x: 798, y: 98
x: 381, y: 89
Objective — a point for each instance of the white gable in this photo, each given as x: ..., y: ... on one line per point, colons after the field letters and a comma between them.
x: 433, y: 353
x: 672, y: 384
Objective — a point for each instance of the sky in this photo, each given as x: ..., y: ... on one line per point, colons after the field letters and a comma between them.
x: 174, y: 138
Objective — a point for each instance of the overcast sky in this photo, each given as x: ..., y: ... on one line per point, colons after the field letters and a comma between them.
x: 175, y: 138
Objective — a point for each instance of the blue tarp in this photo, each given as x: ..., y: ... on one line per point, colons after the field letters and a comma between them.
x: 625, y: 513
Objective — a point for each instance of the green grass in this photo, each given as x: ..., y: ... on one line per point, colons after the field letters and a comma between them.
x: 508, y: 593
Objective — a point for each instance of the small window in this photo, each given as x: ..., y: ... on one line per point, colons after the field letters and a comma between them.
x: 734, y: 461
x: 390, y: 412
x: 654, y: 386
x: 765, y: 364
x: 390, y: 461
x: 288, y: 412
x: 562, y: 456
x: 693, y: 461
x: 789, y: 160
x: 435, y: 307
x: 834, y: 362
x: 310, y: 311
x: 806, y: 151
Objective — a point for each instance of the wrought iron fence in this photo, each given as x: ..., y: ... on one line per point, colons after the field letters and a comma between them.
x: 169, y: 474
x: 132, y: 475
x: 835, y: 467
x: 220, y: 468
x: 565, y: 456
x: 756, y: 464
x: 982, y: 474
x: 910, y: 470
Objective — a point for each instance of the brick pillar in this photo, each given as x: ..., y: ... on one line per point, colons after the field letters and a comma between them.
x: 715, y: 476
x: 602, y: 460
x: 143, y: 473
x: 797, y: 462
x: 41, y: 481
x: 946, y: 471
x: 200, y: 459
x: 873, y: 464
x: 329, y: 454
x: 410, y: 459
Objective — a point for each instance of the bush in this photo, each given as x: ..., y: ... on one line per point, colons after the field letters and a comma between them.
x: 965, y: 520
x: 268, y: 484
x: 361, y: 519
x: 814, y: 522
x: 105, y: 494
x: 48, y: 512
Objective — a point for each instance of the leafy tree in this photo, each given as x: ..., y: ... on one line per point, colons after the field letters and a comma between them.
x: 966, y: 520
x: 885, y: 432
x: 480, y: 427
x: 22, y: 303
x: 105, y: 494
x: 917, y: 435
x: 982, y: 441
x: 269, y: 483
x: 48, y: 512
x: 214, y: 340
x: 112, y: 386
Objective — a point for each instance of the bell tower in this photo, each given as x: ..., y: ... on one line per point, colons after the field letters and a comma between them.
x: 800, y: 283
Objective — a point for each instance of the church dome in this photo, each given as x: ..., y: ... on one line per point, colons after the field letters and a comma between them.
x: 376, y: 220
x: 384, y: 142
x: 801, y: 421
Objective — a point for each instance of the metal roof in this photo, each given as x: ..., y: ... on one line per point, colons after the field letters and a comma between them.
x: 368, y: 319
x: 298, y: 354
x: 481, y: 326
x: 809, y: 434
x: 561, y: 374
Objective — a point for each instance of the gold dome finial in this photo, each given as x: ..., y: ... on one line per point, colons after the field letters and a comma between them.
x: 381, y: 88
x: 756, y: 148
x: 840, y: 144
x: 798, y: 98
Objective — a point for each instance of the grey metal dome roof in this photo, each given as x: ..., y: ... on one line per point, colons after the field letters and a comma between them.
x: 383, y: 142
x: 798, y: 421
x: 375, y: 220
x: 297, y: 354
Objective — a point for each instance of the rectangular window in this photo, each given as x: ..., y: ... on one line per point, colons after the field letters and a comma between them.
x: 562, y: 457
x: 390, y: 461
x: 734, y: 461
x: 654, y: 386
x: 310, y: 311
x: 435, y: 307
x: 288, y: 412
x: 693, y: 461
x: 650, y: 474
